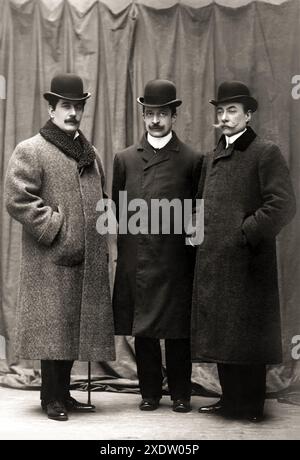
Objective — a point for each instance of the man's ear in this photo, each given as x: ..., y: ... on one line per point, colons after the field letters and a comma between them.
x: 174, y: 117
x: 50, y: 111
x: 248, y: 115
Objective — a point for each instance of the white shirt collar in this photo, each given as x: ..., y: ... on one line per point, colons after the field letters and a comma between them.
x: 159, y: 142
x: 230, y: 140
x: 75, y: 135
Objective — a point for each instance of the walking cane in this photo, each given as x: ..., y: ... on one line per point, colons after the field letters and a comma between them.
x: 89, y: 382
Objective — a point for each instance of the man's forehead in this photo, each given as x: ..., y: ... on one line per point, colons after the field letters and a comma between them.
x: 161, y: 108
x: 69, y: 102
x: 228, y: 105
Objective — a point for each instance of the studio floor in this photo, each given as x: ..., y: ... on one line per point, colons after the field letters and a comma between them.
x: 118, y: 418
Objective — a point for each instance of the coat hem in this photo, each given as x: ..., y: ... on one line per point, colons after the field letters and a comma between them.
x: 98, y: 358
x: 206, y: 359
x: 151, y: 336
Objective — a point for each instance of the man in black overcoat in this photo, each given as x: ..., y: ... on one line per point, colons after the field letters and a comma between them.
x: 248, y: 199
x: 154, y: 275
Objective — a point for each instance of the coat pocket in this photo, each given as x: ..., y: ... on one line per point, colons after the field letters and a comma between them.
x: 242, y: 239
x: 68, y: 247
x: 241, y: 236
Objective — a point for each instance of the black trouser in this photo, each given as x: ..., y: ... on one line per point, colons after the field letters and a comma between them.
x: 56, y: 376
x: 149, y: 367
x: 243, y: 388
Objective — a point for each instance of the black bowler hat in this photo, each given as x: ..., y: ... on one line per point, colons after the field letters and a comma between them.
x: 230, y: 91
x: 67, y: 86
x: 159, y: 93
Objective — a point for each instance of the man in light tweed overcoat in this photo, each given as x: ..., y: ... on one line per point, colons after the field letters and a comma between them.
x: 53, y: 183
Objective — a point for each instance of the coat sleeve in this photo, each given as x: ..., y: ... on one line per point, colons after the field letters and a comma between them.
x: 197, y: 170
x: 119, y: 180
x: 101, y: 170
x: 191, y: 225
x: 22, y: 197
x: 278, y: 198
x: 202, y: 176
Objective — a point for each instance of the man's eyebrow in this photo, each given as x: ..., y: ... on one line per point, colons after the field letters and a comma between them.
x: 230, y: 107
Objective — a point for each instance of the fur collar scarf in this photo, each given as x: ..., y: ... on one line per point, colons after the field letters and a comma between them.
x: 79, y: 149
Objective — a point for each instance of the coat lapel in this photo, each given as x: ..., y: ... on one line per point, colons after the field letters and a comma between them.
x: 220, y: 151
x: 151, y: 158
x: 145, y: 150
x: 241, y: 144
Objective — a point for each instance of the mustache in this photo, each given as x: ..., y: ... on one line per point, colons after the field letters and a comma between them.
x: 71, y: 120
x: 221, y: 125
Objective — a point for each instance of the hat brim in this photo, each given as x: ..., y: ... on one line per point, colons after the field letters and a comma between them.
x: 249, y: 100
x: 175, y: 102
x: 49, y: 94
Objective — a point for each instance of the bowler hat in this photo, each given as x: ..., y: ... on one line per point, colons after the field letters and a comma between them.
x: 230, y: 91
x: 67, y: 86
x: 159, y: 93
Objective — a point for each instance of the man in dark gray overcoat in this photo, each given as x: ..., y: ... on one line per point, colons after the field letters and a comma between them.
x: 153, y: 285
x: 248, y: 199
x: 54, y: 181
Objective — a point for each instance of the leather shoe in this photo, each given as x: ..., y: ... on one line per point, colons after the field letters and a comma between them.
x: 55, y: 410
x: 255, y: 418
x: 75, y: 406
x: 216, y: 408
x: 149, y: 404
x: 181, y: 405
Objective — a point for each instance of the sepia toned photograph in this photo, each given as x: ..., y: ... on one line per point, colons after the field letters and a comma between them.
x: 150, y: 225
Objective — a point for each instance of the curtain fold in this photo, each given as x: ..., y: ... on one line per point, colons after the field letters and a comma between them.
x: 116, y: 51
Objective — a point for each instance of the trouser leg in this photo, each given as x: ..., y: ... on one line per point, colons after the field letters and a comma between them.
x: 243, y: 388
x: 55, y: 383
x: 149, y: 367
x: 179, y: 368
x: 254, y: 389
x: 65, y: 378
x: 228, y: 385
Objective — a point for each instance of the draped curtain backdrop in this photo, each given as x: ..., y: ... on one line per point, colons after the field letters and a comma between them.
x: 116, y: 47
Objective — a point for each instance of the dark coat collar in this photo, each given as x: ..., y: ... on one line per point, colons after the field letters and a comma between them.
x: 148, y: 154
x: 241, y: 144
x: 80, y: 149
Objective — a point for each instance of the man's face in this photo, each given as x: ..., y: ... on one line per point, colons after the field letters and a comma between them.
x: 232, y: 118
x: 158, y: 120
x: 67, y: 115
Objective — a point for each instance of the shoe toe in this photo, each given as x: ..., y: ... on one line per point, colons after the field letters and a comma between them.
x: 255, y: 418
x: 56, y: 411
x: 76, y: 406
x: 181, y: 406
x: 149, y: 405
x: 212, y: 409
